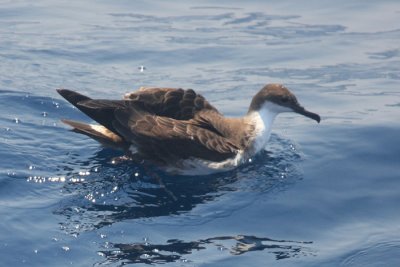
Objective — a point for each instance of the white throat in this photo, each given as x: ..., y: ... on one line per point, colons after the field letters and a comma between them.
x: 262, y: 121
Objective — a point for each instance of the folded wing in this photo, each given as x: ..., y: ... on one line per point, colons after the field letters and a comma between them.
x: 168, y: 139
x: 161, y: 123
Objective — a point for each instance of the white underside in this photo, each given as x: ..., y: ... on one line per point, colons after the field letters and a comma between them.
x: 196, y: 166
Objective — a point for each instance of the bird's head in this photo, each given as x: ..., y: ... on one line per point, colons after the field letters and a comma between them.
x: 277, y: 98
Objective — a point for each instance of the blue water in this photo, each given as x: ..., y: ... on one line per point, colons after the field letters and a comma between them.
x: 320, y: 195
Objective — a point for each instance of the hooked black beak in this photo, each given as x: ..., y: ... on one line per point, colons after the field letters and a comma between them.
x: 304, y: 112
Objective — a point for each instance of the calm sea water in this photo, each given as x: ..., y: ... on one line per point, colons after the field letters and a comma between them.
x: 320, y: 195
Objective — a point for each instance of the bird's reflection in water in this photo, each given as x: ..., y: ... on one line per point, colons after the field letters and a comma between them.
x: 175, y: 250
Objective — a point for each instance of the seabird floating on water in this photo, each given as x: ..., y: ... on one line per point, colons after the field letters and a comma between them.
x: 179, y: 130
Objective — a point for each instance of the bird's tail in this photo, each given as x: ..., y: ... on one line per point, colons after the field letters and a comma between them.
x: 103, y: 133
x: 98, y: 133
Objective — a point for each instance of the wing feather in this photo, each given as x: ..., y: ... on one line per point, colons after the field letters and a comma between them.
x: 173, y: 103
x: 154, y: 135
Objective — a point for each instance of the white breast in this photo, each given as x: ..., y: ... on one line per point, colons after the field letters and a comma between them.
x: 262, y: 121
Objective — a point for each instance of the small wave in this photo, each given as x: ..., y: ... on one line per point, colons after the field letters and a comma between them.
x: 378, y: 254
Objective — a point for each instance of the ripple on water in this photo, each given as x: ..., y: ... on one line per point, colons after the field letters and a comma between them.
x: 376, y: 255
x: 342, y: 63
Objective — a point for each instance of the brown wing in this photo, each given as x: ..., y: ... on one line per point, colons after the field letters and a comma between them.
x: 168, y: 139
x: 173, y: 103
x: 160, y: 122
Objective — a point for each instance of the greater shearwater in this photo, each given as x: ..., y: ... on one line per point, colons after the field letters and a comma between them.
x: 179, y: 130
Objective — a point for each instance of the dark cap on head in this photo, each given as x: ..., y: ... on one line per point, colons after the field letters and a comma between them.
x: 280, y: 95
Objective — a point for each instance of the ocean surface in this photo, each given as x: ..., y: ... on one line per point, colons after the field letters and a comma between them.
x: 323, y: 194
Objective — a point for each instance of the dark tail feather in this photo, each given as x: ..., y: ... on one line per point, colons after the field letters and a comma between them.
x: 72, y: 97
x: 98, y: 133
x: 102, y: 111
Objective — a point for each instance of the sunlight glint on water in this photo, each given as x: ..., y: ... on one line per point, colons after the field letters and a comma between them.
x: 320, y: 195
